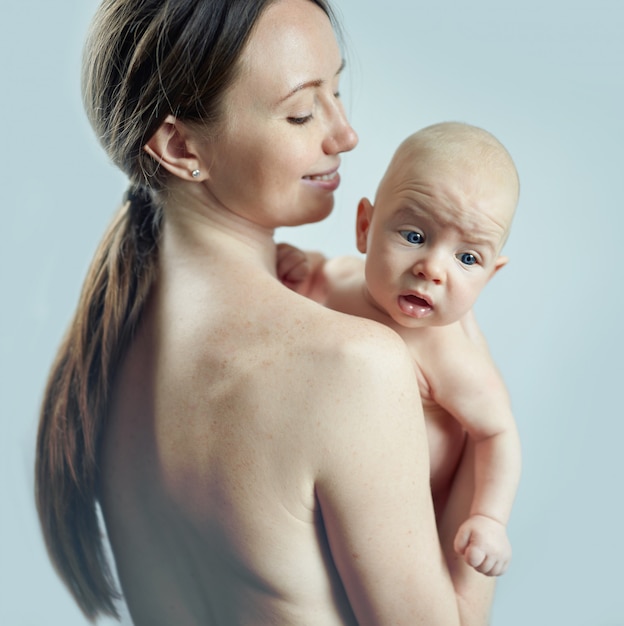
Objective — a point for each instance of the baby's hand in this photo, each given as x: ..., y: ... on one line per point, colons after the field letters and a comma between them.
x: 293, y: 267
x: 483, y: 543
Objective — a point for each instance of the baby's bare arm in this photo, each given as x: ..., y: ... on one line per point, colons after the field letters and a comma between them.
x: 465, y: 381
x: 474, y: 592
x: 326, y: 281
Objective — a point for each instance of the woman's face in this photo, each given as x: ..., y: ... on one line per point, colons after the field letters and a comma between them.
x: 275, y: 161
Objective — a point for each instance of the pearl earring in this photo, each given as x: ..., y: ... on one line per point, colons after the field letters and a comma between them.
x: 195, y: 173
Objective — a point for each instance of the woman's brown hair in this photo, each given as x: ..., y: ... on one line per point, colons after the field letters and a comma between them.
x: 143, y: 60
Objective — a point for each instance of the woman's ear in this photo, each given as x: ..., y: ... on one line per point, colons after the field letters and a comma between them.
x: 172, y: 146
x: 362, y: 224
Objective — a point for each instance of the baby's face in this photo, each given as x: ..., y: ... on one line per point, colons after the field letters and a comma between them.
x: 434, y: 238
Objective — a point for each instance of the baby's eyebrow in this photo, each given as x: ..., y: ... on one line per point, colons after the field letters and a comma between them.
x: 310, y: 83
x: 482, y: 241
x: 408, y: 213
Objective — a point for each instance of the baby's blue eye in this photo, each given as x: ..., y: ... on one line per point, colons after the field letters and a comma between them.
x: 467, y: 259
x: 412, y: 236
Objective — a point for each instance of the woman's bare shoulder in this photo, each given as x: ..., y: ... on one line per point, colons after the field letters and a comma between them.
x: 276, y: 339
x: 352, y: 338
x: 359, y: 368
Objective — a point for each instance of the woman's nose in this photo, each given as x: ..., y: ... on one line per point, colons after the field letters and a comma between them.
x: 340, y: 136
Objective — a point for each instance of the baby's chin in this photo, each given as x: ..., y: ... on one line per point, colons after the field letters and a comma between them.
x: 430, y: 320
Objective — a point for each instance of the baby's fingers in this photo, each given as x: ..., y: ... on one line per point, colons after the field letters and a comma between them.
x: 292, y: 264
x: 492, y: 566
x: 462, y: 539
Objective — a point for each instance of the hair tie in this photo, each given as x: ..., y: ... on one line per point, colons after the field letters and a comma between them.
x: 137, y: 194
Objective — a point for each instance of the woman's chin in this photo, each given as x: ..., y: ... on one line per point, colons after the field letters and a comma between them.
x: 312, y: 216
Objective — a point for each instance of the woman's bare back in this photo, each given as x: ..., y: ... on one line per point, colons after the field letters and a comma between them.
x: 209, y: 496
x: 265, y: 460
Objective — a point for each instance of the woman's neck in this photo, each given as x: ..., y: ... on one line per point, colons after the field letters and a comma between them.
x: 194, y: 227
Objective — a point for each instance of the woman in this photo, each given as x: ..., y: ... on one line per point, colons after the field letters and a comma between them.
x: 258, y: 458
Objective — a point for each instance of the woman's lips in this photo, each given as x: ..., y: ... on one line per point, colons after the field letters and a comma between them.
x: 328, y: 181
x: 415, y: 306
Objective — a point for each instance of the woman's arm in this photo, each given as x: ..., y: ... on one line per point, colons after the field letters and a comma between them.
x: 373, y: 489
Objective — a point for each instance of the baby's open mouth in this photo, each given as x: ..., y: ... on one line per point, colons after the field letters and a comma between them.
x: 417, y: 301
x: 415, y: 306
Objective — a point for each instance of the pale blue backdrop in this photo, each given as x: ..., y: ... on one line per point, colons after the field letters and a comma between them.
x: 547, y: 78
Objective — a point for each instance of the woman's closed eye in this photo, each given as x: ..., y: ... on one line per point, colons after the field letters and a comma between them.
x: 412, y: 236
x: 299, y: 121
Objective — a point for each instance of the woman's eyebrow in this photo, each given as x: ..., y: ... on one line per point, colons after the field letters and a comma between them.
x: 310, y: 83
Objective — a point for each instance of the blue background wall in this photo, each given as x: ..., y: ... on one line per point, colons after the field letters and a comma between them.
x: 547, y: 78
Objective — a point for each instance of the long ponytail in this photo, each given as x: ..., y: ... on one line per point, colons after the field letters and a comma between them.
x: 76, y: 400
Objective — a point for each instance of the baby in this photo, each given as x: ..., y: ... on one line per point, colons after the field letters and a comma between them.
x: 433, y: 239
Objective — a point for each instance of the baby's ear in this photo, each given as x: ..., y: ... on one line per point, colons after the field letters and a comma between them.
x: 362, y: 224
x: 500, y: 262
x: 172, y: 147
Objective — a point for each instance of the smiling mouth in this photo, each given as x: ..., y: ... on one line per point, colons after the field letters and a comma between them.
x: 322, y: 176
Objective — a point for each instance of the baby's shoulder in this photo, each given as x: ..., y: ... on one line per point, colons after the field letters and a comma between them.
x: 437, y: 340
x: 440, y: 348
